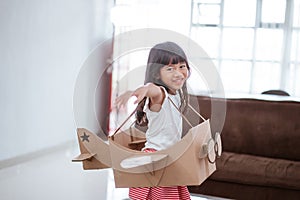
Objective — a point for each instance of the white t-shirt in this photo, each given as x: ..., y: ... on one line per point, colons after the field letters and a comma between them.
x: 165, y: 126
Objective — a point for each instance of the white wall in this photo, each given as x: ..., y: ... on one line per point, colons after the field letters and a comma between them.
x: 42, y: 46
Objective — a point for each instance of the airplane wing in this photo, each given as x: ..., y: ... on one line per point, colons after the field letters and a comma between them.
x: 142, y: 160
x: 83, y: 156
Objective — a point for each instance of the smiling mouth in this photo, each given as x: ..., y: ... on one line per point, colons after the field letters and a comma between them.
x: 178, y: 81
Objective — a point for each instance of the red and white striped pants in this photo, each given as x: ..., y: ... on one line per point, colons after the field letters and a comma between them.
x: 159, y: 193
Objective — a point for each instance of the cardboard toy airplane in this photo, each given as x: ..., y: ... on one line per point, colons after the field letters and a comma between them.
x: 188, y: 162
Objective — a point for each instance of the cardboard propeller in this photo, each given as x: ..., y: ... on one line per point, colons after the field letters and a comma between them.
x: 188, y: 162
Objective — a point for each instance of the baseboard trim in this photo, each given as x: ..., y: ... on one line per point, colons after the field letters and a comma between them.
x: 33, y: 155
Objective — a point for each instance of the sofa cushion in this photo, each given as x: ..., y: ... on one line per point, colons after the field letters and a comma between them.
x: 256, y: 170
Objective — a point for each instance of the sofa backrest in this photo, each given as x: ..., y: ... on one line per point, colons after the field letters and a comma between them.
x: 258, y: 126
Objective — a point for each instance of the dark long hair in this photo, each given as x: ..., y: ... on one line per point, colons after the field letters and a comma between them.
x: 160, y: 55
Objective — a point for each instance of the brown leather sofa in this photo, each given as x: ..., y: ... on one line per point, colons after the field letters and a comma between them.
x: 261, y: 148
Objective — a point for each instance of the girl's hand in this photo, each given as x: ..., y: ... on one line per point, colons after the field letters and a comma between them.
x: 150, y: 90
x: 140, y: 93
x: 123, y: 98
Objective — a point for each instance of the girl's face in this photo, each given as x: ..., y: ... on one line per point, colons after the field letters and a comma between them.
x: 174, y: 76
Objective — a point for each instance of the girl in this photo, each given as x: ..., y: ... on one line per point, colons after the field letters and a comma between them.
x: 166, y: 74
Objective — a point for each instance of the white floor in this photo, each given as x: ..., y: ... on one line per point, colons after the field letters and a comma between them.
x: 55, y: 177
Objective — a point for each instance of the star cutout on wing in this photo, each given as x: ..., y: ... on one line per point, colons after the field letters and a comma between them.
x: 85, y: 137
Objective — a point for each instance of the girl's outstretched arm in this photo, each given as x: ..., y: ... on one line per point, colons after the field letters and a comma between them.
x: 155, y: 94
x: 123, y: 98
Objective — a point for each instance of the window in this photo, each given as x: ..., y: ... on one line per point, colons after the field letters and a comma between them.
x: 273, y: 11
x: 237, y: 43
x: 208, y: 12
x: 256, y: 43
x: 269, y: 44
x: 239, y: 13
x: 236, y: 76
